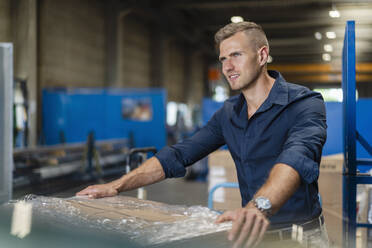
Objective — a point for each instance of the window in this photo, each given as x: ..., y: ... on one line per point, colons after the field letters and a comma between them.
x: 332, y: 94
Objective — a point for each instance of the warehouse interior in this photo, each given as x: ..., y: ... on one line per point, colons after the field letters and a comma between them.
x: 98, y: 86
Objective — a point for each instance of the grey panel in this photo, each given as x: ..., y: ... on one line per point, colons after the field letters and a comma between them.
x: 6, y: 121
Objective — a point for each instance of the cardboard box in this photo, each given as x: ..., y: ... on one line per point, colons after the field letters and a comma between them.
x: 330, y: 188
x: 146, y: 223
x: 115, y: 211
x: 221, y: 170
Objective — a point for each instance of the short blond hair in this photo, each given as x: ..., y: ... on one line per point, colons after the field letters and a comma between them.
x: 251, y: 29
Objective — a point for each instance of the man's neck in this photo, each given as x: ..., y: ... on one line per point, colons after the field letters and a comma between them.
x: 257, y: 93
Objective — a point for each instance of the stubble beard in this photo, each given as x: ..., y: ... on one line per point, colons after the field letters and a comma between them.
x: 244, y: 86
x: 251, y: 82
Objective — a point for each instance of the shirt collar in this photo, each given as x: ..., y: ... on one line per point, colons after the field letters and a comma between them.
x: 279, y: 92
x: 278, y: 95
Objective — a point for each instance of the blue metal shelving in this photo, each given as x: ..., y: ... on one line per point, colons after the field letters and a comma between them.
x: 350, y: 176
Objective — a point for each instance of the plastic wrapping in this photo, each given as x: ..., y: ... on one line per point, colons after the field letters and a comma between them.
x: 145, y: 222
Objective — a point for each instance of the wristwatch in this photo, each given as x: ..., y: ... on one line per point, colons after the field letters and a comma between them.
x: 263, y: 204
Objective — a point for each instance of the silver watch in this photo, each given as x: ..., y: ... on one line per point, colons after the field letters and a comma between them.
x: 263, y: 204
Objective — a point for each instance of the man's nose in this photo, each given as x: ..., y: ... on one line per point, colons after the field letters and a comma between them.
x: 227, y: 65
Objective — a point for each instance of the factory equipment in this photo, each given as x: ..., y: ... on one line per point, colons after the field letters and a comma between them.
x: 69, y: 114
x: 20, y: 107
x: 6, y: 134
x: 351, y: 176
x: 77, y: 162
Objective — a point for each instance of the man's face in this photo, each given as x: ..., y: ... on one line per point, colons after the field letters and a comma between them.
x: 240, y: 61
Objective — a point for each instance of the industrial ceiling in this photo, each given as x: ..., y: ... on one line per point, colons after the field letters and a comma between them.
x: 296, y: 29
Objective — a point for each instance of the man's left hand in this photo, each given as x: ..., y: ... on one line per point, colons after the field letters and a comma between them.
x: 249, y: 226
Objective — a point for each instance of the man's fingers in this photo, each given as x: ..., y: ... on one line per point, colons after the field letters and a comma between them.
x: 249, y: 226
x: 256, y: 230
x: 227, y: 216
x: 83, y: 192
x: 96, y: 193
x: 92, y: 191
x: 237, y: 225
x: 245, y: 230
x: 222, y: 218
x: 264, y: 227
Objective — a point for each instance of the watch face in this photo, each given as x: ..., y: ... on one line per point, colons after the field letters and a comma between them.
x: 263, y: 203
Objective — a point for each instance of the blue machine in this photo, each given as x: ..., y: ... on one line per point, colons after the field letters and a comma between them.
x: 109, y: 113
x: 350, y: 176
x: 334, y: 112
x: 209, y: 108
x: 334, y: 131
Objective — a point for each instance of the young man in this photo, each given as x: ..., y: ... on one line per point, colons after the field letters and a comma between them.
x: 275, y: 132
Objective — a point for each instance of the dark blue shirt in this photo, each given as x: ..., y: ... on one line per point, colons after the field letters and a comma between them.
x: 289, y: 127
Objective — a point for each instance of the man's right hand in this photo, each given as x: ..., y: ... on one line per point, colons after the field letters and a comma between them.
x: 99, y: 191
x: 148, y: 173
x: 249, y: 226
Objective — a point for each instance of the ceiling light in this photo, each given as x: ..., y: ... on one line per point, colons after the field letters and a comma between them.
x: 326, y: 57
x: 328, y: 48
x: 269, y: 59
x: 334, y: 13
x: 236, y: 19
x: 318, y: 35
x: 331, y: 35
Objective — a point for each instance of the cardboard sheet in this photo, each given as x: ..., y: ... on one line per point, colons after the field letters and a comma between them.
x: 142, y: 221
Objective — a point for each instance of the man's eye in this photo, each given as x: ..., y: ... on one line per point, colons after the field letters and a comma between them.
x: 236, y: 54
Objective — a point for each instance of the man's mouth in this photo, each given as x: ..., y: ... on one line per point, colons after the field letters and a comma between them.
x: 233, y: 76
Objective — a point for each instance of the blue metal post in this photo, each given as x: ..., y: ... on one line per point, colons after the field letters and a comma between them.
x: 349, y: 131
x: 223, y: 185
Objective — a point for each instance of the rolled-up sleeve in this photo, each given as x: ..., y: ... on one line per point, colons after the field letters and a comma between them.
x: 175, y: 158
x: 303, y: 147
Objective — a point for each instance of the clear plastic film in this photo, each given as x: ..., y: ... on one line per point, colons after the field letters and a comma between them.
x: 144, y: 222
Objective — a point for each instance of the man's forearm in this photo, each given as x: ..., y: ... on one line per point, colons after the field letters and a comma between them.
x: 148, y: 173
x: 283, y: 181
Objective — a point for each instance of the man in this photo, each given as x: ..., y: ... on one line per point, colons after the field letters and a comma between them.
x: 275, y: 132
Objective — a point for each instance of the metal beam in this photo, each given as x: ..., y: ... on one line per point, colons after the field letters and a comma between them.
x: 222, y: 4
x: 349, y: 133
x: 6, y: 121
x: 111, y: 22
x: 321, y: 25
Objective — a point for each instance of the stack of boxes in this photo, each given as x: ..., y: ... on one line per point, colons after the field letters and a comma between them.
x: 330, y: 188
x: 221, y: 170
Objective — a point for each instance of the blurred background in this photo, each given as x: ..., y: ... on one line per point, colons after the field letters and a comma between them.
x: 98, y: 86
x: 168, y: 45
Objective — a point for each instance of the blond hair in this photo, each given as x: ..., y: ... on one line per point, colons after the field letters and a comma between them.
x: 251, y: 29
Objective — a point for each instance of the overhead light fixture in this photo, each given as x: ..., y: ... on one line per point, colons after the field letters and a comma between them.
x: 328, y: 48
x: 334, y: 13
x: 326, y: 57
x: 236, y: 19
x: 318, y: 35
x: 331, y: 35
x: 269, y: 59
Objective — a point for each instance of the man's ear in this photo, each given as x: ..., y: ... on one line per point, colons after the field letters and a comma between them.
x: 263, y: 55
